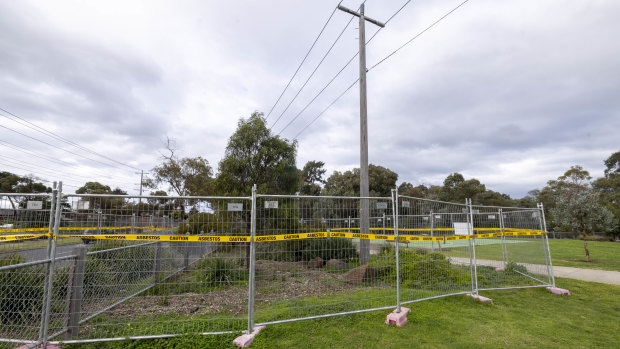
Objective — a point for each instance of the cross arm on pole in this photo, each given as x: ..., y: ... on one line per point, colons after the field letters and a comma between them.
x: 361, y: 15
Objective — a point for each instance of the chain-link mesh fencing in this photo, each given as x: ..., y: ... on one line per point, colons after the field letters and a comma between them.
x: 24, y: 225
x: 309, y: 262
x: 436, y: 257
x: 143, y: 267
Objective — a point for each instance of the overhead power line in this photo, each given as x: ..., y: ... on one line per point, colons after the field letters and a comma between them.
x: 313, y: 72
x: 324, y: 110
x: 57, y: 147
x: 37, y: 173
x: 339, y: 72
x: 44, y: 157
x: 302, y: 61
x: 58, y: 137
x: 417, y: 35
x: 73, y: 176
x: 382, y: 60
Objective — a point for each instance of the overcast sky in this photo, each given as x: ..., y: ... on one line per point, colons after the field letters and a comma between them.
x: 510, y: 92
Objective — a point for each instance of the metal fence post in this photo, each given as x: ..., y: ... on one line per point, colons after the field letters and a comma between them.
x: 99, y: 222
x: 502, y: 230
x: 349, y: 222
x: 75, y: 286
x: 430, y: 217
x: 186, y: 250
x: 252, y: 260
x: 50, y: 275
x: 157, y: 264
x: 473, y: 247
x: 542, y: 238
x: 544, y: 221
x: 396, y: 233
x: 133, y: 223
x: 49, y: 250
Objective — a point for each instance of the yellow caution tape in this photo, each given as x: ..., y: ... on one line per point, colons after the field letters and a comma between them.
x: 268, y: 238
x: 109, y: 228
x: 21, y: 230
x: 283, y: 237
x: 21, y: 237
x: 458, y: 237
x: 362, y: 236
x: 139, y: 237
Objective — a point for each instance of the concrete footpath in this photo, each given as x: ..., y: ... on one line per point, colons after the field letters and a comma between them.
x: 595, y: 275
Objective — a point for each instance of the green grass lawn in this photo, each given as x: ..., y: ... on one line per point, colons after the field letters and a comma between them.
x: 564, y: 252
x: 525, y: 318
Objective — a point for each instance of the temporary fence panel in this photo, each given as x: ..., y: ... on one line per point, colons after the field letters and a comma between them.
x: 308, y: 257
x: 154, y: 267
x: 24, y: 227
x: 93, y: 267
x: 526, y: 246
x: 435, y: 249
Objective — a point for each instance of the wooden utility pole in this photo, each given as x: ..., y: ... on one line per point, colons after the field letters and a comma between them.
x: 364, y: 206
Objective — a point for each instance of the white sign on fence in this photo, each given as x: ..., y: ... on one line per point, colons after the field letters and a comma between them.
x: 271, y: 204
x: 235, y: 207
x: 406, y: 204
x: 80, y: 205
x: 461, y: 228
x: 491, y: 216
x: 381, y: 205
x: 34, y: 205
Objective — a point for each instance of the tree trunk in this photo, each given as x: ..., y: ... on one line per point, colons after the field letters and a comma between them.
x: 14, y: 210
x: 585, y: 245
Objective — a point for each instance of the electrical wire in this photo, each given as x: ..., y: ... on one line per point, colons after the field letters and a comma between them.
x: 58, y: 137
x: 340, y: 71
x: 324, y: 110
x: 57, y: 147
x: 313, y: 72
x: 38, y: 173
x: 73, y: 176
x: 382, y: 60
x: 42, y: 156
x: 302, y: 61
x: 418, y: 35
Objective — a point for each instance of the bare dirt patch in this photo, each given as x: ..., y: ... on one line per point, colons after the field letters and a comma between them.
x: 275, y: 281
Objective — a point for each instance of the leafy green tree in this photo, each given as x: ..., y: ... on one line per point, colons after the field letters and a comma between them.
x: 255, y: 156
x: 94, y: 188
x: 12, y: 183
x: 343, y: 184
x: 583, y: 213
x: 407, y: 189
x: 572, y: 182
x: 493, y: 198
x: 183, y: 176
x: 381, y: 181
x: 529, y: 200
x: 577, y: 206
x: 105, y: 202
x: 613, y: 165
x: 608, y: 188
x: 457, y: 189
x: 311, y: 178
x: 204, y: 223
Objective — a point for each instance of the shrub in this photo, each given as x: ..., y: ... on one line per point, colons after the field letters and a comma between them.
x: 418, y: 269
x: 305, y: 250
x: 513, y: 268
x: 219, y: 272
